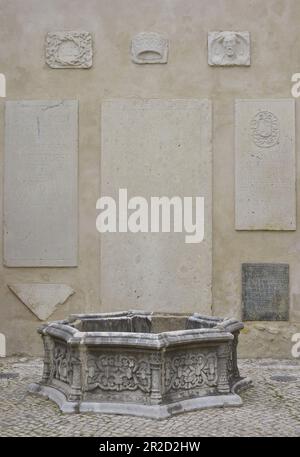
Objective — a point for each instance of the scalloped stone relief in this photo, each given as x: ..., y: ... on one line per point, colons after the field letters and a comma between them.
x: 149, y: 47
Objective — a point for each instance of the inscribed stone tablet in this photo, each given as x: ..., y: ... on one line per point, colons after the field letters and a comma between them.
x: 265, y: 291
x: 265, y: 194
x: 40, y: 191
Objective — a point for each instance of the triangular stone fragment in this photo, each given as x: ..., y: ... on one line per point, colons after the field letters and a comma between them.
x: 42, y: 299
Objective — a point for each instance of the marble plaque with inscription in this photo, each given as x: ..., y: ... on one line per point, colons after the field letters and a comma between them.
x: 156, y: 148
x: 40, y: 183
x: 265, y: 291
x: 265, y: 196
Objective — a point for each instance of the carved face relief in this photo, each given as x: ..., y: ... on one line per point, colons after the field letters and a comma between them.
x: 228, y: 48
x: 230, y: 45
x: 265, y: 131
x: 69, y: 50
x: 149, y: 47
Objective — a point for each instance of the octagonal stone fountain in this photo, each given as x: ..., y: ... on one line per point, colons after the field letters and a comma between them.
x: 145, y: 364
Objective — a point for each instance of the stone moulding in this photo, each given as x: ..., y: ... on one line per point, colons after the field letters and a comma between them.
x: 120, y: 363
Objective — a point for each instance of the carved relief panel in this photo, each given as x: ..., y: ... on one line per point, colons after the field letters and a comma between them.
x: 229, y: 48
x: 187, y: 371
x: 71, y: 49
x: 149, y: 47
x: 118, y: 372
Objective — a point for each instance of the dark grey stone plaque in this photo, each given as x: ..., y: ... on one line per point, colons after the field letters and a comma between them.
x: 265, y: 291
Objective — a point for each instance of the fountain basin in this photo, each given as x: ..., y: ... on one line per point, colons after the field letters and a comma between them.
x: 145, y: 364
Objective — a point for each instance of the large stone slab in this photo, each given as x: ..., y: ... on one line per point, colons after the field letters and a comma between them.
x: 40, y: 190
x: 265, y: 196
x: 42, y: 299
x: 265, y: 291
x: 144, y: 145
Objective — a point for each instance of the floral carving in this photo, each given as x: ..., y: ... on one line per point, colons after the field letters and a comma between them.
x: 189, y: 371
x: 118, y: 372
x: 87, y: 368
x: 69, y: 49
x: 62, y: 363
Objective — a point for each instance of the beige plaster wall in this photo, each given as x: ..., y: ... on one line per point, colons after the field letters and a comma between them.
x: 275, y: 56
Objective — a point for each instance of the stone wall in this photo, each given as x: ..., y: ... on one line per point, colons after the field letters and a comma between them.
x: 275, y: 46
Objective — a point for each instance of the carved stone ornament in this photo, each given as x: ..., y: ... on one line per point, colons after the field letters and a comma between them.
x: 229, y: 48
x: 149, y: 47
x: 132, y: 363
x: 118, y: 372
x: 265, y: 129
x: 70, y: 49
x: 191, y: 371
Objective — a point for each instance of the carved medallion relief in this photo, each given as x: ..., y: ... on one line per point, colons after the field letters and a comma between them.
x: 265, y: 130
x: 72, y: 49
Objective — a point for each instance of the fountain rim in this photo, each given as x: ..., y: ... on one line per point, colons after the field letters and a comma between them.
x: 222, y: 331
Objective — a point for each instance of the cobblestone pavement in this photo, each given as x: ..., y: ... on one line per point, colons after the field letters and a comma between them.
x: 271, y: 408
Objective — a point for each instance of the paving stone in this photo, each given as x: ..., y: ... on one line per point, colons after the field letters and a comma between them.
x: 271, y: 408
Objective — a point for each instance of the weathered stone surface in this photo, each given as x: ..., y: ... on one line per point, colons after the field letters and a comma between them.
x: 265, y: 291
x: 145, y: 374
x: 2, y: 85
x: 40, y: 183
x: 284, y: 378
x: 70, y: 49
x: 265, y: 403
x: 229, y: 48
x: 123, y: 323
x: 2, y: 345
x: 274, y: 58
x: 144, y: 144
x: 149, y: 47
x: 42, y: 299
x: 265, y: 193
